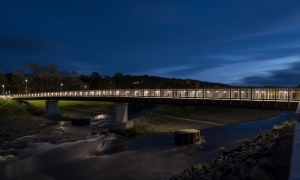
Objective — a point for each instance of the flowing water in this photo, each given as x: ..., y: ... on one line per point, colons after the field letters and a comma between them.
x: 107, y: 156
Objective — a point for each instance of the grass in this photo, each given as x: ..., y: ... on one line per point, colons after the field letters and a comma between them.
x: 38, y: 107
x: 284, y: 124
x: 18, y: 119
x: 138, y: 129
x: 289, y: 123
x: 180, y: 111
x: 11, y: 108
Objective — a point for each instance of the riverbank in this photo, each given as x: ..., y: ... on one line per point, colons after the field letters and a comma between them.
x: 266, y: 156
x: 159, y: 123
x: 12, y: 128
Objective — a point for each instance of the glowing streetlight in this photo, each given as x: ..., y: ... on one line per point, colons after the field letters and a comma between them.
x: 61, y: 84
x: 26, y: 86
x: 84, y: 87
x: 3, y: 89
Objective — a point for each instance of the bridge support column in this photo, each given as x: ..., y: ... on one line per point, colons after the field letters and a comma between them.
x: 51, y: 107
x: 120, y: 118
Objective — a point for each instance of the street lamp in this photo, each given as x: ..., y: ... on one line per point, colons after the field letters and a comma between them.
x: 3, y: 89
x: 26, y: 85
x: 84, y: 87
x: 61, y: 84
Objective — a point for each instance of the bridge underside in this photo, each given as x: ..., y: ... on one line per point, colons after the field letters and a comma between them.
x: 229, y: 103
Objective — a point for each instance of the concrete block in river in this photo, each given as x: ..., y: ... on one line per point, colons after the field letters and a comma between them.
x: 187, y: 136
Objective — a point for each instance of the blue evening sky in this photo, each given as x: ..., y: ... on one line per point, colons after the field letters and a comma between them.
x: 248, y: 42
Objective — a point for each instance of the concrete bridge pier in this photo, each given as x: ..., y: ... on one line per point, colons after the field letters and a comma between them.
x: 51, y: 107
x: 120, y: 118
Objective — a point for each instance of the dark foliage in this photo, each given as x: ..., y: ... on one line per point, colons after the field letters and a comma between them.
x: 50, y: 78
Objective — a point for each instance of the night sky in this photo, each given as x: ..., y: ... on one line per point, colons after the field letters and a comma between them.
x: 248, y: 42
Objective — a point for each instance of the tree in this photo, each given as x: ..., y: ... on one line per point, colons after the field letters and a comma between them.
x: 47, y: 77
x: 94, y: 80
x: 18, y: 81
x: 2, y: 77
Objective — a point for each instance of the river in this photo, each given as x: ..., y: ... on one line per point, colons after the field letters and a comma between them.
x: 108, y: 156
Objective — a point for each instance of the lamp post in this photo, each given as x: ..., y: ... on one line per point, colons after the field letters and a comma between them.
x: 3, y: 89
x: 26, y: 86
x: 61, y: 84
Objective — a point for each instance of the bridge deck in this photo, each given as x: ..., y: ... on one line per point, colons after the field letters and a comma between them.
x: 263, y: 98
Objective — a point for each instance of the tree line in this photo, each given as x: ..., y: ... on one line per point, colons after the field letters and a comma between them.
x: 50, y: 78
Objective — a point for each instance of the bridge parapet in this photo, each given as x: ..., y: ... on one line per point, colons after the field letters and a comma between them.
x: 280, y: 94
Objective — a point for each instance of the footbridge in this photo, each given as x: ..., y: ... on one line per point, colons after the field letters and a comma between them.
x: 261, y: 98
x: 286, y: 99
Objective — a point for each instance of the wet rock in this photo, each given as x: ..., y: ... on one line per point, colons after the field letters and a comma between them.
x: 226, y: 152
x: 228, y: 170
x: 197, y: 166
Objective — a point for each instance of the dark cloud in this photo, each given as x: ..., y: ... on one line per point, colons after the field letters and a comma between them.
x: 285, y: 77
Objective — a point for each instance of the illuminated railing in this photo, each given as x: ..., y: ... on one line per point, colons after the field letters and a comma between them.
x: 275, y: 94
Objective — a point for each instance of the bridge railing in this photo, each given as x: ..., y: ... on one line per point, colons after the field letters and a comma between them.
x: 277, y: 94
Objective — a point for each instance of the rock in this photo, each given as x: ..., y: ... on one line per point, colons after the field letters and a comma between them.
x: 226, y: 152
x: 249, y: 162
x: 228, y: 170
x: 239, y: 148
x: 93, y: 133
x: 197, y: 166
x: 208, y: 176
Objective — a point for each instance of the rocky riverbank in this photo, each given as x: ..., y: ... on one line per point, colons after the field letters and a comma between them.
x: 266, y: 156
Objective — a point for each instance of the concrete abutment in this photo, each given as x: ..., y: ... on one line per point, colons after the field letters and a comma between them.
x: 120, y: 117
x: 52, y: 107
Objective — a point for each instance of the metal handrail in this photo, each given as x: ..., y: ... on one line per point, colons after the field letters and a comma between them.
x: 265, y: 94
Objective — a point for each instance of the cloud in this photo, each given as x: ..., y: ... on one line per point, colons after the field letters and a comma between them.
x: 284, y: 77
